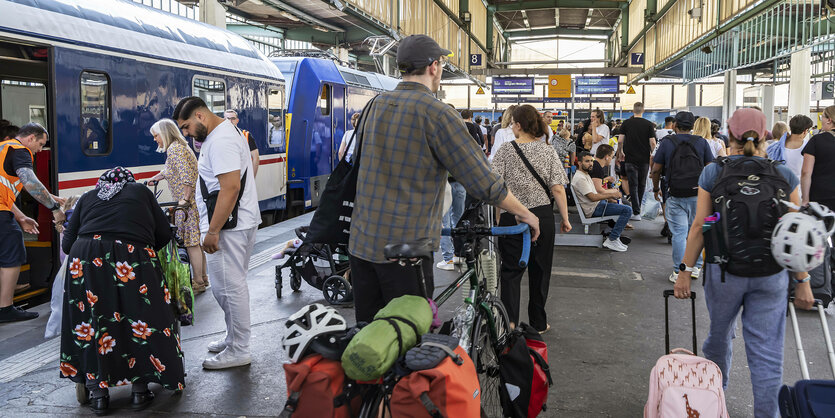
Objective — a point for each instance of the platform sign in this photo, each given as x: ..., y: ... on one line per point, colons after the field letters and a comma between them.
x: 533, y: 99
x: 828, y: 90
x: 475, y: 60
x: 637, y: 58
x: 559, y: 85
x: 597, y: 85
x: 480, y: 90
x: 512, y: 85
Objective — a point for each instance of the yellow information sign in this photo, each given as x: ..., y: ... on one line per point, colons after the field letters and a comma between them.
x: 559, y: 86
x: 630, y: 90
x: 480, y: 90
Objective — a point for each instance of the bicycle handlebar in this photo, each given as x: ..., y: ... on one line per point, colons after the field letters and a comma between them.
x: 522, y: 228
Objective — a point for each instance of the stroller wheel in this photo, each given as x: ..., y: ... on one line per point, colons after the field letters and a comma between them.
x: 337, y: 290
x: 295, y: 280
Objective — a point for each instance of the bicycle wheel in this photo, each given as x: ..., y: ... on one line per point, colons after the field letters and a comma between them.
x: 485, y: 355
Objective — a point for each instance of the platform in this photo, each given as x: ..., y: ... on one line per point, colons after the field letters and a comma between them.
x: 607, y: 332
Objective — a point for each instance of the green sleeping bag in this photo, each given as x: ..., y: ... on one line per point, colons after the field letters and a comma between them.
x: 375, y: 348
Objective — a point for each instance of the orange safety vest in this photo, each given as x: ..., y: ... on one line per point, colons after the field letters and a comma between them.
x: 10, y: 185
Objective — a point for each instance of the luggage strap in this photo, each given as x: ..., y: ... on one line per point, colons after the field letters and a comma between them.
x: 542, y: 364
x: 445, y: 348
x: 391, y: 320
x: 290, y: 405
x: 430, y: 406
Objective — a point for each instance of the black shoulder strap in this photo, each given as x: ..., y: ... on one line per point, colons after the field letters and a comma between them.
x: 204, y: 191
x: 531, y: 169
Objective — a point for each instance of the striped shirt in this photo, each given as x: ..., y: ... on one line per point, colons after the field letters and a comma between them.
x: 410, y: 141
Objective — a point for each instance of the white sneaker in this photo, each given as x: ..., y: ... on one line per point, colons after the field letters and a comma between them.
x: 615, y: 245
x: 695, y: 273
x: 635, y: 218
x: 673, y: 277
x: 216, y: 346
x: 225, y: 360
x: 446, y: 265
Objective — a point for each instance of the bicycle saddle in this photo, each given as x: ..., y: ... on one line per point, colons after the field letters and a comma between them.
x: 409, y: 250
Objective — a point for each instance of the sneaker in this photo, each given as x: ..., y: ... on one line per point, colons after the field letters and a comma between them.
x: 225, y: 360
x: 695, y: 273
x: 446, y: 265
x: 615, y: 245
x: 635, y: 218
x: 217, y: 346
x: 14, y: 314
x: 673, y: 277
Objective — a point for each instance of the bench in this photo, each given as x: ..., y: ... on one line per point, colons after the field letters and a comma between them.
x: 582, y: 240
x: 589, y: 221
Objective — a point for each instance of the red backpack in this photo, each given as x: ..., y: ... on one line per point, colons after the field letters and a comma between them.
x: 525, y: 374
x: 317, y: 387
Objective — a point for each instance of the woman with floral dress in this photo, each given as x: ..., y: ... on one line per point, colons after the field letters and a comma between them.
x: 181, y: 173
x: 118, y: 321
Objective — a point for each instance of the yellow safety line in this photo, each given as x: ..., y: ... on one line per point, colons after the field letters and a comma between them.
x: 31, y: 294
x: 41, y: 244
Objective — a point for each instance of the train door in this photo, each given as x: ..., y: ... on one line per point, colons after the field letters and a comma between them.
x: 321, y: 143
x: 25, y: 97
x: 339, y: 122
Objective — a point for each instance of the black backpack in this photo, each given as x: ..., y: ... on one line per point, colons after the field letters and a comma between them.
x: 685, y: 167
x: 747, y: 195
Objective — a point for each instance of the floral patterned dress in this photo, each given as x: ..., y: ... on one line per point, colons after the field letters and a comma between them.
x: 181, y: 171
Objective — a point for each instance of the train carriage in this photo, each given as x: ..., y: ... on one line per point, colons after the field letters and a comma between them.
x: 99, y: 73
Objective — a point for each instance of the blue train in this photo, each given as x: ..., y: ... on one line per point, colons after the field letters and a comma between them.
x: 317, y: 121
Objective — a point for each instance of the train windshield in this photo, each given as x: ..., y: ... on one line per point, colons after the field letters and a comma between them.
x: 288, y: 70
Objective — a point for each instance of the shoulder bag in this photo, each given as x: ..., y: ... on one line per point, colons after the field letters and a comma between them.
x: 533, y: 171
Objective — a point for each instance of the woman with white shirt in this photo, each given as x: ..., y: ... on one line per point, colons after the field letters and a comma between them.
x: 702, y: 128
x: 598, y: 129
x: 505, y: 134
x: 790, y: 146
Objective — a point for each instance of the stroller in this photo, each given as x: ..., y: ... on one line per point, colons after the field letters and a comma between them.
x: 321, y: 266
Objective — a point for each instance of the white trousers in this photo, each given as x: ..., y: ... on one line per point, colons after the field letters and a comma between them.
x: 227, y: 271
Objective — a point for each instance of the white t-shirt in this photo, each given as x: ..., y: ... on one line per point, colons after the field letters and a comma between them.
x: 715, y: 146
x: 794, y: 158
x: 502, y: 135
x: 224, y: 151
x: 350, y: 151
x: 603, y: 131
x: 583, y: 185
x: 483, y: 129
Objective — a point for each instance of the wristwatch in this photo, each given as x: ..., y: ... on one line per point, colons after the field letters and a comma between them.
x: 683, y: 267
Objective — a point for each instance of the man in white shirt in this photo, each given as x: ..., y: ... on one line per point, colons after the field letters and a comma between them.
x: 594, y: 204
x: 225, y: 165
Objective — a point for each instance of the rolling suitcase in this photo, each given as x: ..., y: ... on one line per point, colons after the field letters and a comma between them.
x: 809, y: 398
x: 683, y: 384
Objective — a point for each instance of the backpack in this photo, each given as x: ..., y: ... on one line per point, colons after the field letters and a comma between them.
x: 681, y: 384
x: 450, y: 388
x: 524, y: 372
x: 747, y: 195
x: 317, y: 387
x: 685, y: 167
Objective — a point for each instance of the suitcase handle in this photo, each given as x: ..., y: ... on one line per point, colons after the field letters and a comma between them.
x: 667, y: 294
x: 801, y: 356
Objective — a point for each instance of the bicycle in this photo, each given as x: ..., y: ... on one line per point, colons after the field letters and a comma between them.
x: 483, y: 336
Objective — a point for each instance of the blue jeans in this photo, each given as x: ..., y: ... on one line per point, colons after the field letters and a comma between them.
x: 623, y: 212
x: 451, y: 217
x: 680, y: 213
x: 763, y: 328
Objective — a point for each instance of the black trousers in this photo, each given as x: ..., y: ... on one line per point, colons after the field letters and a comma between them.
x: 376, y: 284
x: 539, y: 268
x: 637, y: 176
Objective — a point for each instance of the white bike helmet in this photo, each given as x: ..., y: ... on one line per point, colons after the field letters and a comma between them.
x: 308, y: 323
x: 799, y: 239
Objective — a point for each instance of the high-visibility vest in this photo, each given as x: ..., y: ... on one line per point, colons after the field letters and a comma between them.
x: 10, y: 185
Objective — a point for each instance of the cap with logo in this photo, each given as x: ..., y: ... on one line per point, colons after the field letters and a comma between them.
x: 685, y: 120
x: 417, y: 51
x: 745, y: 120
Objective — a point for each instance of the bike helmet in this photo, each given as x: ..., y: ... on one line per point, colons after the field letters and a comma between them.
x: 799, y: 239
x: 306, y: 324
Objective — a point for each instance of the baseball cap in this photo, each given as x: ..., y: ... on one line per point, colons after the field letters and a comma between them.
x: 747, y: 119
x: 418, y: 51
x: 685, y: 119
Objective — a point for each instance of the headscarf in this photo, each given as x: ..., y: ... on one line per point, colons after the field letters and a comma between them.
x: 112, y: 181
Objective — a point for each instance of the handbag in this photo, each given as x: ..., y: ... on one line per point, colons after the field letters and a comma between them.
x: 533, y: 171
x: 331, y: 223
x: 210, y: 199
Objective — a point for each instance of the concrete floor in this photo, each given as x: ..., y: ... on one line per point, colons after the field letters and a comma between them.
x: 605, y: 309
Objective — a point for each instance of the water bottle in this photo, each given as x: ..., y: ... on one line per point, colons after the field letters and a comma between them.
x: 462, y: 322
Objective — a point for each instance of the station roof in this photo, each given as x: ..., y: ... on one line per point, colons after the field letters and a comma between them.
x: 537, y: 18
x: 119, y: 25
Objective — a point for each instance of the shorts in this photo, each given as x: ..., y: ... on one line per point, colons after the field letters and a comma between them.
x: 12, y: 251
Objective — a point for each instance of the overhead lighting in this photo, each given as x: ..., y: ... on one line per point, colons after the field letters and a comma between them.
x: 288, y: 16
x: 257, y: 2
x: 320, y: 28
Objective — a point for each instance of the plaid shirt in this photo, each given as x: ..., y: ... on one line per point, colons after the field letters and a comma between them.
x: 410, y: 141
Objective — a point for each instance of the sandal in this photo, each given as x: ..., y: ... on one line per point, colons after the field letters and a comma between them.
x: 629, y: 227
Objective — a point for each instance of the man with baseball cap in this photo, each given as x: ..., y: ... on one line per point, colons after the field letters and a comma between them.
x: 681, y: 157
x: 408, y: 143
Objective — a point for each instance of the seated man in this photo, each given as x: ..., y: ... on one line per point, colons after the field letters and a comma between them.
x: 595, y: 204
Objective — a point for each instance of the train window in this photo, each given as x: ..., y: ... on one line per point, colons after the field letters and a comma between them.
x: 275, y: 126
x: 96, y: 135
x: 212, y: 91
x: 325, y: 100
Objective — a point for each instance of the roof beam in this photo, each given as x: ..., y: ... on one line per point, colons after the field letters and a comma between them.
x: 551, y: 4
x: 307, y: 18
x: 555, y: 71
x: 255, y: 30
x: 556, y: 32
